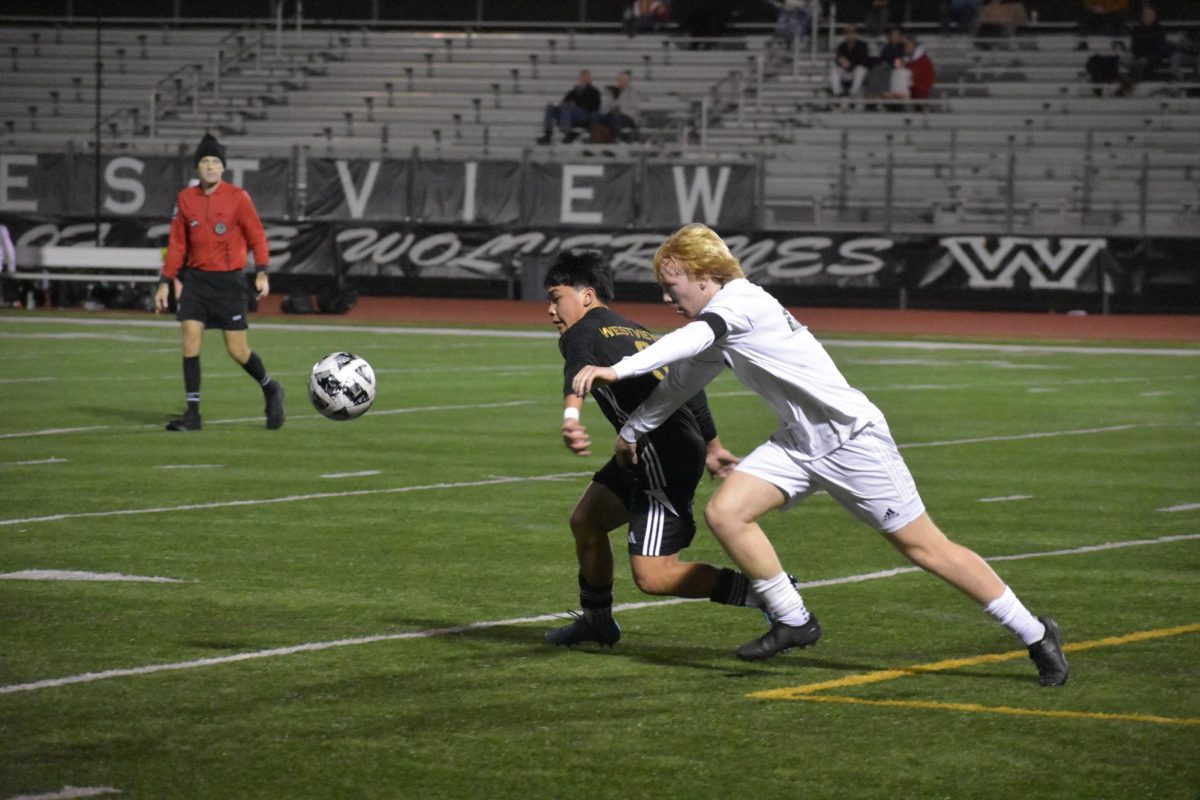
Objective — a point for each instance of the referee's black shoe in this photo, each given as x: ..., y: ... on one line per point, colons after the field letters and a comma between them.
x: 1048, y: 655
x: 190, y: 421
x: 275, y: 413
x: 781, y: 638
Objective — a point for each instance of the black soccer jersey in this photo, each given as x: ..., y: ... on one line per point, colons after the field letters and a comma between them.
x: 603, y: 337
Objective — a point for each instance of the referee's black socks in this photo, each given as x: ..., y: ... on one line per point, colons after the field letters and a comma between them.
x: 254, y: 367
x: 191, y: 383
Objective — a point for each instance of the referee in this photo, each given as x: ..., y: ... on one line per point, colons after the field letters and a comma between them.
x: 213, y: 226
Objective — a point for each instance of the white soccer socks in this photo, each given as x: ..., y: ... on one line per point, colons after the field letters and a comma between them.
x: 782, y: 600
x: 1012, y: 614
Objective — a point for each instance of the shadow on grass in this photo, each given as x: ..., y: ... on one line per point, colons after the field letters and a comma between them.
x: 672, y: 654
x: 137, y: 416
x: 645, y: 650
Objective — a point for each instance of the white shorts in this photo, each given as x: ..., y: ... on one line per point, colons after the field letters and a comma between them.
x: 866, y: 475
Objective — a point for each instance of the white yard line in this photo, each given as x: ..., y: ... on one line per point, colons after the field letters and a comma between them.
x: 1184, y: 507
x: 1006, y: 498
x: 69, y: 793
x: 295, y: 498
x: 78, y: 575
x: 492, y: 481
x: 1020, y: 436
x: 310, y: 647
x: 294, y: 418
x: 363, y: 474
x: 189, y: 466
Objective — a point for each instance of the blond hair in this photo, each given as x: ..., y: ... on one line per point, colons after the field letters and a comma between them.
x: 699, y: 251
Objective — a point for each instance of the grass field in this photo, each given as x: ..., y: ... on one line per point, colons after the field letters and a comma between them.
x: 357, y: 609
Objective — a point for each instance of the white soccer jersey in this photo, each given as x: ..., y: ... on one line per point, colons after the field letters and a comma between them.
x: 772, y: 354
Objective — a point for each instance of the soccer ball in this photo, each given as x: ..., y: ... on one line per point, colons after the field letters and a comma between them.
x: 342, y: 386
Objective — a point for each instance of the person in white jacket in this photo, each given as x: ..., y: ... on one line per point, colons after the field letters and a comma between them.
x: 830, y: 437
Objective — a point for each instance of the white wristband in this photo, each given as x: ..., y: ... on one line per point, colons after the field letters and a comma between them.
x: 570, y: 412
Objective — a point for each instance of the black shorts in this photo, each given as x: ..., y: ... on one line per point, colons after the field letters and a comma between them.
x: 658, y: 492
x: 218, y: 299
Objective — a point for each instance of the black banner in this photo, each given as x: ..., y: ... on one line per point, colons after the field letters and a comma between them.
x: 964, y: 265
x: 594, y: 195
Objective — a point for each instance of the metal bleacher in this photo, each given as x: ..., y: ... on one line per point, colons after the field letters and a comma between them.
x: 351, y: 92
x: 1014, y: 136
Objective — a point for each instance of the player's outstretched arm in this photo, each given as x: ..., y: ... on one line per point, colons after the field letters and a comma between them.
x: 591, y: 376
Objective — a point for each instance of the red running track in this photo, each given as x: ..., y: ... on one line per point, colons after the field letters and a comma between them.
x: 986, y: 324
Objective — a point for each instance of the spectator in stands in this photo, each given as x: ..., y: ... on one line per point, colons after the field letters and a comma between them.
x: 214, y: 225
x: 900, y: 81
x: 921, y: 65
x: 645, y: 16
x: 879, y: 14
x: 1001, y: 18
x: 576, y: 110
x: 1148, y: 47
x: 793, y: 21
x: 879, y: 82
x: 850, y: 63
x: 621, y: 110
x: 1102, y: 18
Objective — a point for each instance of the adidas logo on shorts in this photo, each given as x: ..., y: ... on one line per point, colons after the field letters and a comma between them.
x: 889, y: 515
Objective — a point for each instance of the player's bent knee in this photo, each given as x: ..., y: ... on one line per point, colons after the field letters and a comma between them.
x: 722, y: 515
x: 653, y: 581
x: 581, y: 525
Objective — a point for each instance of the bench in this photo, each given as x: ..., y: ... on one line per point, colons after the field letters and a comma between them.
x: 94, y: 264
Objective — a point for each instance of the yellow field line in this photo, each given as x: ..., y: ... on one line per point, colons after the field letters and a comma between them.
x: 975, y: 707
x: 803, y: 692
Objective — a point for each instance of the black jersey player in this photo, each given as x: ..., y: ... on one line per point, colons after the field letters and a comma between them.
x: 654, y: 496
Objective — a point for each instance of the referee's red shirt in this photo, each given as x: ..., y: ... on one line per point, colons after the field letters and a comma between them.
x: 213, y: 232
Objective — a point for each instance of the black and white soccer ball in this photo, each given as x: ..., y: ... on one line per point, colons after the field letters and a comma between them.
x: 342, y: 386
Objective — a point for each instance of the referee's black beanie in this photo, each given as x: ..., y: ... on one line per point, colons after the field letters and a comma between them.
x: 209, y: 146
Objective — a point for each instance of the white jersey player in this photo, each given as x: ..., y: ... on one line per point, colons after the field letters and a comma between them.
x: 830, y: 437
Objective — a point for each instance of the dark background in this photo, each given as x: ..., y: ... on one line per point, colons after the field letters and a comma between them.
x: 530, y: 11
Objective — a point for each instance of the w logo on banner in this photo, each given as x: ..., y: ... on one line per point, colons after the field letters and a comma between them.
x: 1047, y: 266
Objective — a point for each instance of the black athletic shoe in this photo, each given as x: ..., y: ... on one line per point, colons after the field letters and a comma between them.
x: 188, y: 422
x: 580, y: 631
x: 570, y: 136
x: 275, y: 413
x: 1048, y: 656
x: 544, y: 139
x: 781, y: 638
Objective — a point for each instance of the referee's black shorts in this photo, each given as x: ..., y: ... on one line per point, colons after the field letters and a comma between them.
x: 658, y: 492
x: 217, y: 299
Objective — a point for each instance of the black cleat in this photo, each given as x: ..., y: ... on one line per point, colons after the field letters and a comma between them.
x: 188, y: 422
x: 274, y: 410
x: 781, y: 638
x: 570, y: 136
x: 1048, y: 656
x: 544, y: 139
x: 581, y: 630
